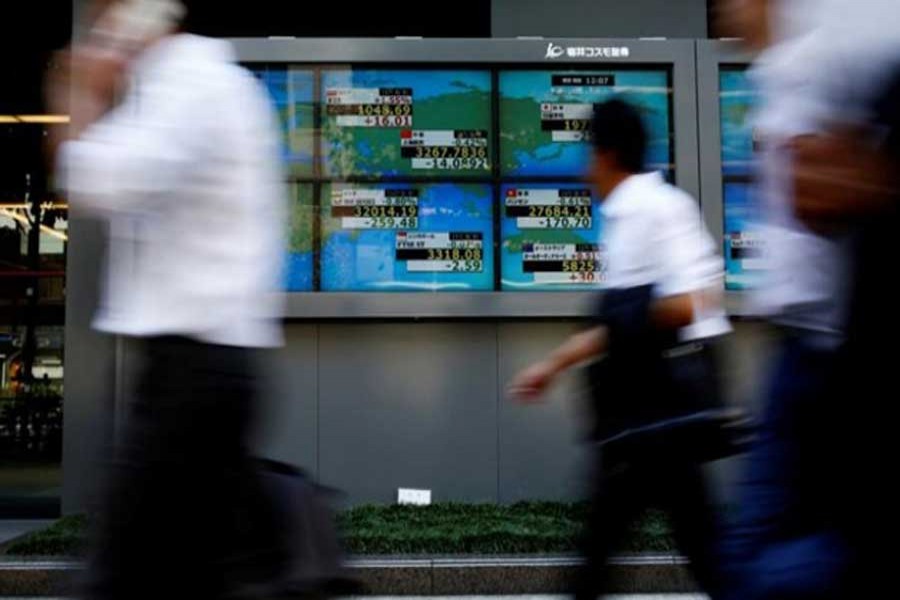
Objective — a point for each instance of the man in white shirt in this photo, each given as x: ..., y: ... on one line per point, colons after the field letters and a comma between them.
x: 664, y: 280
x: 819, y: 64
x: 176, y: 147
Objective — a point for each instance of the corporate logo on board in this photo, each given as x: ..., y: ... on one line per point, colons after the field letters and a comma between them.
x: 555, y: 51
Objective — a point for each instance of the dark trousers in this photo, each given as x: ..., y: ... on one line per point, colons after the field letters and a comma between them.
x: 184, y: 513
x: 623, y: 491
x: 789, y: 541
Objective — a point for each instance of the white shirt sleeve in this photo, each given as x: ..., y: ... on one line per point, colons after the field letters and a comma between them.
x: 688, y: 260
x: 132, y: 157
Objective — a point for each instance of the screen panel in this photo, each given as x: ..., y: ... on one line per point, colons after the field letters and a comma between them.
x: 407, y: 237
x: 293, y: 91
x: 551, y: 237
x: 402, y: 123
x: 745, y: 258
x: 545, y: 117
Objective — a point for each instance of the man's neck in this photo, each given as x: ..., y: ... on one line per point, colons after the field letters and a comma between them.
x: 613, y: 181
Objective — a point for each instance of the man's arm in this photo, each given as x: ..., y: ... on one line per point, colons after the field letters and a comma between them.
x: 669, y: 313
x: 532, y: 382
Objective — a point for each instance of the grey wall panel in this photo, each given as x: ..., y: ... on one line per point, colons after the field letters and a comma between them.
x: 90, y: 364
x: 288, y: 427
x: 409, y: 405
x: 599, y: 18
x: 79, y: 10
x: 90, y: 390
x: 541, y: 454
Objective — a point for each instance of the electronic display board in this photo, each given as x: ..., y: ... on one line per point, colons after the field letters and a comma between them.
x: 460, y: 166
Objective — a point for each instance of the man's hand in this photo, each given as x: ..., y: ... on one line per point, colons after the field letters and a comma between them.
x: 84, y: 84
x: 838, y: 178
x: 530, y: 384
x: 672, y: 312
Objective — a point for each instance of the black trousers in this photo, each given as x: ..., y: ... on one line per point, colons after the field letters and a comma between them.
x: 184, y: 512
x: 622, y: 492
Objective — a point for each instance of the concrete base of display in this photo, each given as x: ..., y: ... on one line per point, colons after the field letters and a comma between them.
x: 427, y: 576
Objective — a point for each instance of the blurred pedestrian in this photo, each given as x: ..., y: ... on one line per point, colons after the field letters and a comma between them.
x: 176, y: 148
x: 847, y: 179
x: 659, y: 324
x: 817, y: 69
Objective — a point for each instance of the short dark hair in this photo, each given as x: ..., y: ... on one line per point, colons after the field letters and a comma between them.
x: 617, y: 127
x: 195, y: 11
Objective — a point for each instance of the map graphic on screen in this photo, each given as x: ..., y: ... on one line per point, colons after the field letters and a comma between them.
x: 551, y: 237
x: 736, y: 100
x: 407, y: 237
x: 545, y: 117
x: 745, y: 249
x: 406, y: 123
x: 292, y: 93
x: 299, y: 261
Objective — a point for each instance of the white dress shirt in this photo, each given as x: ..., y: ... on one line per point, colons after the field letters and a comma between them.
x: 805, y: 285
x: 654, y: 235
x: 186, y: 171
